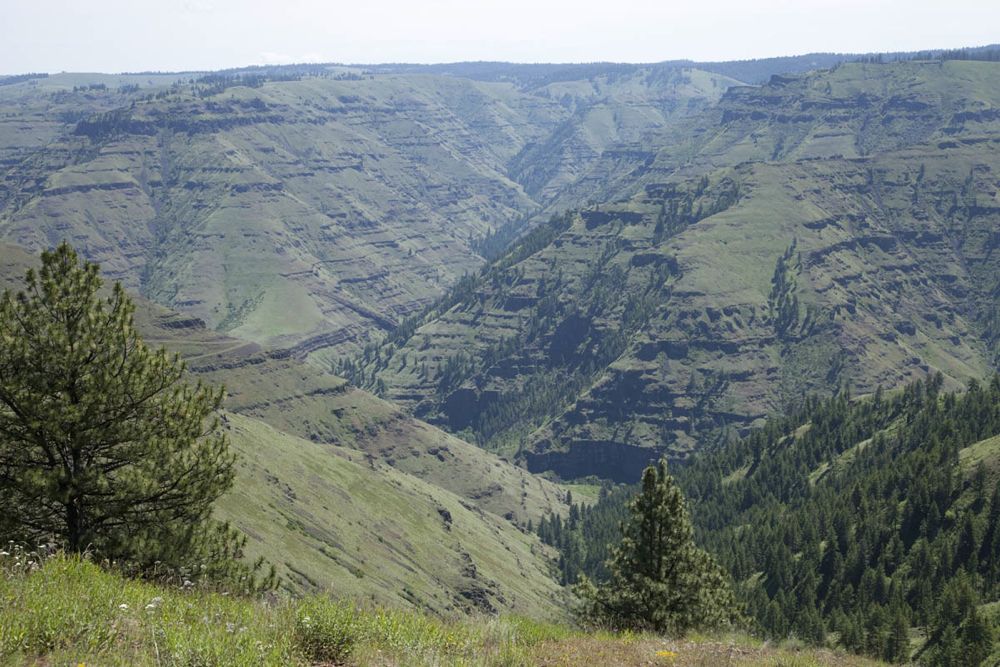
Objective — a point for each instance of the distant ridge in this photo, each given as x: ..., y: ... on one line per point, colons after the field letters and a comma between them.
x: 749, y: 70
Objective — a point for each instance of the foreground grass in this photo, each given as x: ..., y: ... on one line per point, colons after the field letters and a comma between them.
x: 67, y: 611
x: 64, y: 610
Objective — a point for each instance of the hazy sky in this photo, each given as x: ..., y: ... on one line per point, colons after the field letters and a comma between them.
x: 131, y: 35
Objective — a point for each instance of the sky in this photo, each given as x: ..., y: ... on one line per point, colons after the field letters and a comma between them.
x: 181, y: 35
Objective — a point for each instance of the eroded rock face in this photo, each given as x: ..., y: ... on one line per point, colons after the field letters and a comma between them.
x: 311, y: 215
x: 606, y: 459
x: 283, y: 227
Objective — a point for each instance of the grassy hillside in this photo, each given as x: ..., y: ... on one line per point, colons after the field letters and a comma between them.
x: 300, y: 400
x: 330, y: 520
x: 71, y: 612
x: 837, y: 248
x: 296, y: 398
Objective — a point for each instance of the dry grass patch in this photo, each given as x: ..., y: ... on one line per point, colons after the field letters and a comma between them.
x: 733, y: 651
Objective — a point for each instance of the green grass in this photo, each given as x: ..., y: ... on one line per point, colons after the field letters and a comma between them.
x: 69, y: 611
x: 583, y: 493
x: 72, y: 612
x: 985, y: 452
x: 60, y: 610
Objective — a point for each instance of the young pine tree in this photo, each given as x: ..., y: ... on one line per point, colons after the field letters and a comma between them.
x: 659, y: 580
x: 103, y: 446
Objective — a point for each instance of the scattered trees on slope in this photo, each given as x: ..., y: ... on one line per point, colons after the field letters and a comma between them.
x: 849, y: 522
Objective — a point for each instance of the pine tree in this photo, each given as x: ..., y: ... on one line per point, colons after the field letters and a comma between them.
x: 947, y: 652
x: 976, y: 636
x: 103, y: 446
x: 989, y: 554
x: 897, y: 648
x: 659, y: 580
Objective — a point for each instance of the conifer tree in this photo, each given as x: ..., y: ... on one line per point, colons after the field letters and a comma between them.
x: 976, y: 635
x: 103, y: 446
x: 659, y: 580
x: 897, y: 648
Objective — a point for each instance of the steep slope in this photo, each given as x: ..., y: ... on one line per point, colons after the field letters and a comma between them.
x: 294, y: 397
x: 311, y: 211
x: 610, y: 115
x: 297, y: 399
x: 901, y: 508
x: 860, y: 253
x: 38, y: 109
x: 275, y: 212
x: 330, y: 520
x: 365, y: 501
